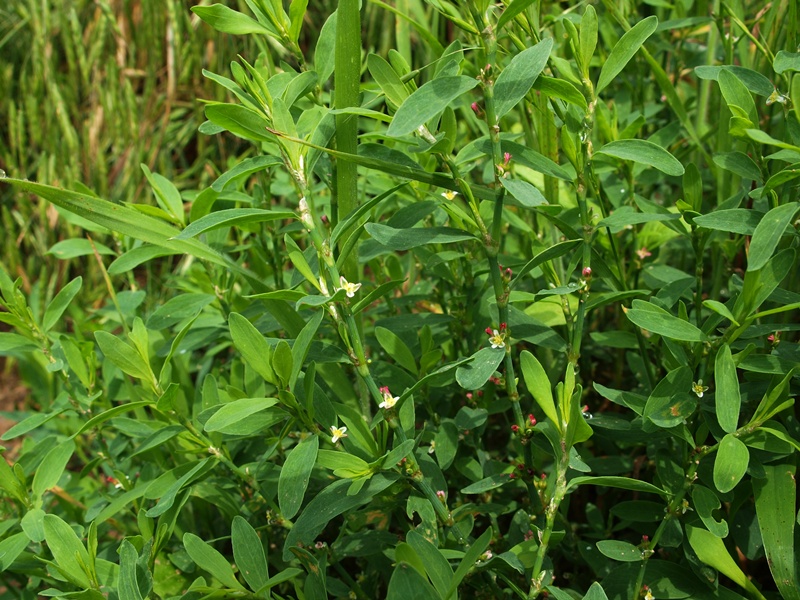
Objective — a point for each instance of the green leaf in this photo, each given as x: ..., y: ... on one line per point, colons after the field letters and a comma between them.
x: 775, y: 496
x: 644, y: 152
x: 240, y: 121
x: 10, y: 342
x: 124, y: 356
x: 624, y: 50
x: 768, y: 233
x: 526, y: 157
x: 295, y: 474
x: 625, y: 483
x: 282, y: 361
x: 736, y: 94
x: 330, y: 503
x: 595, y: 592
x: 739, y: 164
x: 405, y: 239
x: 387, y: 78
x: 516, y: 79
x: 588, y: 37
x: 731, y: 463
x: 74, y: 248
x: 68, y: 551
x: 396, y: 349
x: 512, y: 9
x: 167, y: 496
x: 712, y: 551
x: 128, y: 584
x: 526, y: 194
x: 343, y: 464
x: 720, y: 309
x: 620, y: 550
x: 167, y: 195
x: 237, y: 411
x: 211, y: 560
x: 436, y: 565
x: 487, y: 483
x: 539, y: 386
x: 562, y: 89
x: 786, y: 61
x: 10, y: 549
x: 544, y: 256
x: 124, y: 220
x: 60, y: 303
x: 302, y: 344
x: 735, y: 220
x: 428, y: 101
x: 177, y: 309
x: 657, y: 320
x: 467, y: 563
x: 52, y: 467
x: 110, y: 414
x: 484, y: 363
x: 248, y: 553
x: 227, y: 20
x: 407, y: 582
x: 232, y: 217
x: 254, y: 348
x: 726, y: 395
x: 755, y: 81
x: 244, y: 169
x: 705, y: 503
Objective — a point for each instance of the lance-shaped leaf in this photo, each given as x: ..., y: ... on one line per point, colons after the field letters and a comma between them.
x: 427, y: 102
x: 644, y: 152
x: 517, y: 78
x: 624, y: 50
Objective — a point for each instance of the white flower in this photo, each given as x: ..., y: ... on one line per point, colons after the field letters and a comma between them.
x: 449, y: 195
x: 338, y: 433
x: 649, y: 595
x: 349, y: 288
x: 698, y: 388
x: 497, y: 339
x: 388, y: 400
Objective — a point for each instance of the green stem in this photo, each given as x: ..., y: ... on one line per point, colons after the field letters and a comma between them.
x: 347, y: 78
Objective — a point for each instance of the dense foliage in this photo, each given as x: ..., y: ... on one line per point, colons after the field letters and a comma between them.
x: 500, y: 300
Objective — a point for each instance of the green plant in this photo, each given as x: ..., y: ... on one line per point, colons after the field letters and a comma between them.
x: 528, y: 348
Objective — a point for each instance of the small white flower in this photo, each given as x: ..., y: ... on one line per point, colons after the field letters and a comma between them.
x: 349, y: 288
x: 449, y: 195
x: 388, y: 400
x: 338, y: 433
x: 649, y: 595
x: 698, y: 388
x: 497, y: 339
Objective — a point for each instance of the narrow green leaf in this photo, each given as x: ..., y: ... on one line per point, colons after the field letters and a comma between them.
x: 768, y: 233
x: 487, y: 483
x: 427, y: 102
x: 620, y: 550
x: 124, y: 220
x: 625, y: 483
x: 248, y: 553
x: 60, y: 303
x: 476, y: 373
x: 653, y: 318
x: 722, y: 310
x: 596, y: 592
x: 560, y: 88
x: 588, y: 37
x: 168, y: 496
x: 712, y: 551
x: 52, y: 467
x: 124, y: 356
x: 512, y: 10
x: 240, y: 121
x: 302, y: 344
x: 67, y: 550
x: 11, y: 547
x: 227, y: 20
x: 128, y: 585
x: 775, y: 495
x: 167, y: 195
x: 471, y: 556
x: 726, y: 390
x: 254, y: 348
x: 515, y: 81
x: 436, y: 565
x: 396, y: 349
x: 407, y: 582
x: 231, y: 217
x: 731, y: 463
x: 624, y: 50
x: 295, y: 474
x: 237, y: 411
x: 734, y: 220
x: 736, y: 94
x: 786, y: 61
x: 539, y: 386
x: 211, y: 560
x: 74, y: 248
x: 405, y: 239
x: 387, y: 78
x: 644, y: 152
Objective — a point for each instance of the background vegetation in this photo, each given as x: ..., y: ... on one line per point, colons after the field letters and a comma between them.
x: 420, y: 299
